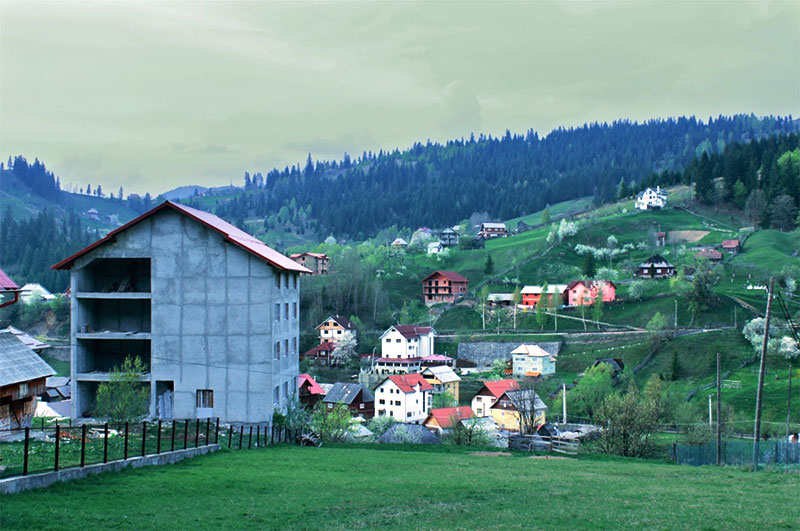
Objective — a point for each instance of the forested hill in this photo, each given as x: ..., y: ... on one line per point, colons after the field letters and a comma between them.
x: 438, y: 185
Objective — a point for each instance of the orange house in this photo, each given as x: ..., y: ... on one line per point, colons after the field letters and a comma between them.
x: 443, y: 286
x: 531, y: 295
x: 586, y: 291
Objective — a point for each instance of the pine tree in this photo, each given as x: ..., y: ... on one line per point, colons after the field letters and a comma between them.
x: 489, y: 267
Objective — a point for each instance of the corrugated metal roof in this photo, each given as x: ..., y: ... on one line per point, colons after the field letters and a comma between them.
x: 345, y: 393
x: 30, y: 341
x: 443, y: 373
x: 6, y: 284
x: 232, y: 234
x: 18, y: 363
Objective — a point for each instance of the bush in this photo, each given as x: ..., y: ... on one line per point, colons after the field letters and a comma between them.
x: 124, y: 398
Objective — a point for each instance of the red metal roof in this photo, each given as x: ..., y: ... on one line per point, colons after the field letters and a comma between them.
x: 444, y: 415
x: 407, y: 382
x: 711, y: 254
x: 322, y: 347
x: 498, y: 387
x: 589, y: 284
x: 313, y: 387
x: 6, y: 284
x: 449, y: 275
x: 730, y: 244
x: 412, y: 331
x: 232, y: 234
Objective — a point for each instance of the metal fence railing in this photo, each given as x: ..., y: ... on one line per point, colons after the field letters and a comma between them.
x: 58, y: 447
x: 737, y: 453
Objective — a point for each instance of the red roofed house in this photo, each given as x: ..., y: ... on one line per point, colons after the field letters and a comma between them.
x: 309, y: 391
x: 405, y: 397
x: 9, y: 291
x: 488, y: 395
x: 585, y: 291
x: 532, y: 294
x: 442, y: 418
x: 210, y: 310
x: 443, y: 286
x: 320, y: 354
x: 730, y: 246
x: 711, y: 255
x: 316, y: 262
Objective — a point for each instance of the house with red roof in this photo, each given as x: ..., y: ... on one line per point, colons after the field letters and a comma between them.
x: 487, y: 395
x: 443, y: 286
x: 407, y: 341
x: 712, y: 255
x: 309, y: 391
x: 443, y: 418
x: 321, y: 354
x: 9, y: 291
x: 317, y: 263
x: 731, y: 246
x: 404, y: 397
x: 586, y: 291
x: 211, y: 311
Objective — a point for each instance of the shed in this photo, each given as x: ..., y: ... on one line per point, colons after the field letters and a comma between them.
x: 409, y: 433
x: 22, y: 377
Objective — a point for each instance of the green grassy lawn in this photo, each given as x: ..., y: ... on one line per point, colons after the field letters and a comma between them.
x: 369, y: 487
x: 563, y: 208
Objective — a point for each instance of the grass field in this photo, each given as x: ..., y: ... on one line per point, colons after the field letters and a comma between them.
x: 372, y: 487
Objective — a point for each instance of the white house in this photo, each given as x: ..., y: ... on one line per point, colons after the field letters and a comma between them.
x: 399, y: 242
x: 435, y: 247
x: 532, y: 361
x: 33, y: 292
x: 650, y: 199
x: 336, y: 328
x: 405, y: 397
x: 407, y: 341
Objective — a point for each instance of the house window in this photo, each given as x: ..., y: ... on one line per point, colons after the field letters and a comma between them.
x: 294, y: 384
x: 277, y: 312
x: 294, y: 282
x: 276, y: 395
x: 339, y: 332
x: 361, y: 406
x: 285, y: 348
x: 408, y: 414
x: 285, y: 389
x: 278, y: 280
x: 23, y: 389
x: 388, y: 340
x: 397, y: 341
x: 204, y: 398
x: 277, y: 353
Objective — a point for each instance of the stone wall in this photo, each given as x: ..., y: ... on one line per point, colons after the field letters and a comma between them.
x: 485, y: 353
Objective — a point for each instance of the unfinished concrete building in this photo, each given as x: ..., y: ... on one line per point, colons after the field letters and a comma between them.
x: 211, y: 311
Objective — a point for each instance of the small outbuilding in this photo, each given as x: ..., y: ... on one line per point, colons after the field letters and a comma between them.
x: 22, y: 377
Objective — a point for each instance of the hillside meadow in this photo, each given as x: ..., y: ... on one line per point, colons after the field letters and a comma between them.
x: 371, y: 487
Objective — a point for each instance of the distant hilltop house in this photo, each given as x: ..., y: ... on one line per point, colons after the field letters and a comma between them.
x: 449, y: 237
x: 661, y: 239
x: 33, y: 292
x: 522, y: 227
x: 531, y: 295
x: 335, y: 328
x: 211, y: 311
x: 651, y: 199
x: 532, y: 361
x: 586, y: 291
x: 92, y: 214
x: 491, y: 230
x: 655, y: 267
x: 399, y: 242
x: 731, y: 246
x: 435, y: 247
x: 443, y: 286
x: 711, y: 255
x: 316, y: 262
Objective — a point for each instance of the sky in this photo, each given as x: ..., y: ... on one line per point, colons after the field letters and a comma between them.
x: 154, y: 95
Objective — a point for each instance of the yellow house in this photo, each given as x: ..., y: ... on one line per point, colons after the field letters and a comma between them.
x: 519, y: 410
x: 443, y: 379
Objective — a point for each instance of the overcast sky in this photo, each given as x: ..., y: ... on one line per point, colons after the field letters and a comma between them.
x: 156, y: 95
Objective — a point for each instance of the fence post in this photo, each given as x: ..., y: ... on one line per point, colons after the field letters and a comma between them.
x: 250, y: 439
x: 172, y: 443
x: 126, y: 442
x: 158, y: 440
x: 216, y: 432
x: 58, y: 443
x: 25, y: 457
x: 185, y: 433
x: 241, y: 434
x: 196, y: 431
x: 675, y: 451
x: 83, y: 445
x: 230, y: 435
x: 105, y: 442
x: 144, y: 438
x: 208, y: 426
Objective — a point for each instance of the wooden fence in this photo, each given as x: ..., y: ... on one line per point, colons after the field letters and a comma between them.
x: 539, y: 443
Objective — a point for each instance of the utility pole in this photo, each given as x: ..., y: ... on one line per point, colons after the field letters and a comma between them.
x: 710, y: 417
x: 676, y: 314
x: 762, y: 367
x: 719, y: 411
x: 564, y: 402
x: 789, y: 401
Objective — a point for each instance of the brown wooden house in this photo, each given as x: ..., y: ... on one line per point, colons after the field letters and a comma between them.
x: 23, y: 375
x: 443, y: 286
x: 316, y: 262
x: 358, y: 399
x: 309, y: 391
x: 320, y: 354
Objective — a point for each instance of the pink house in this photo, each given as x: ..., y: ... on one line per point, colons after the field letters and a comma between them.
x: 585, y: 291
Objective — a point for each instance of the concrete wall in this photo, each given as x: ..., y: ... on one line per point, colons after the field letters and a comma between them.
x: 38, y: 481
x: 485, y: 353
x: 213, y: 320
